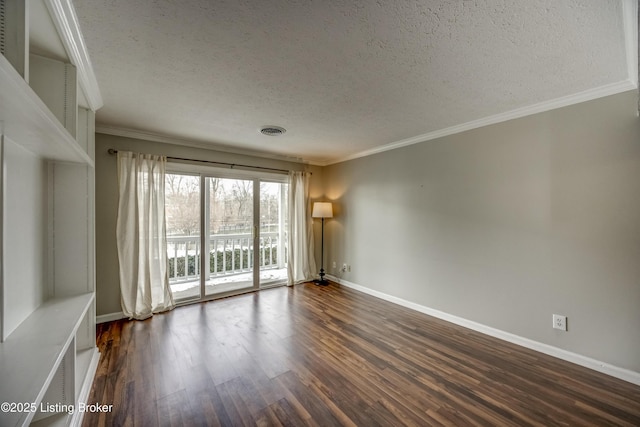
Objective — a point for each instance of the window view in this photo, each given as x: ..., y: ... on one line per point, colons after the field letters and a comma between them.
x: 230, y: 230
x: 273, y: 233
x: 182, y: 211
x: 230, y: 221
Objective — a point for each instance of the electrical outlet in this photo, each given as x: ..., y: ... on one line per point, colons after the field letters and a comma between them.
x: 334, y: 265
x: 349, y: 268
x: 560, y: 322
x: 344, y: 267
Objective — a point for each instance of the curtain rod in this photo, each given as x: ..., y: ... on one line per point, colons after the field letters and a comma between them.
x: 232, y: 165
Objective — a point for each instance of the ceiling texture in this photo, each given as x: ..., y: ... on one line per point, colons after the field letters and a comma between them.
x: 347, y: 78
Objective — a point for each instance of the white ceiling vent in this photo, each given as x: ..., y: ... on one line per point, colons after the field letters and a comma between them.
x: 272, y: 130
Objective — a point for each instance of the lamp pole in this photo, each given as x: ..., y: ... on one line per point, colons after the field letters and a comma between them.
x: 322, y: 281
x: 322, y: 210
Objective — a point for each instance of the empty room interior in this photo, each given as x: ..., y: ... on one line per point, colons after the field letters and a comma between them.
x: 319, y: 213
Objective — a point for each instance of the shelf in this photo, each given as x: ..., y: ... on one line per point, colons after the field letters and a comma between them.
x: 85, y: 361
x: 55, y: 420
x: 30, y: 356
x: 48, y: 98
x: 27, y: 121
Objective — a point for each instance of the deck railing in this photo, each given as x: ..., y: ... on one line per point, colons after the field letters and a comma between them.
x: 228, y: 254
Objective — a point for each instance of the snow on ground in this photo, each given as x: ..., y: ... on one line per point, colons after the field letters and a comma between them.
x: 191, y: 289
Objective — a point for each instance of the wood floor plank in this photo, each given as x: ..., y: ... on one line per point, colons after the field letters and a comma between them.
x: 209, y: 403
x: 286, y: 414
x: 323, y: 356
x: 319, y: 412
x: 235, y: 406
x: 266, y: 417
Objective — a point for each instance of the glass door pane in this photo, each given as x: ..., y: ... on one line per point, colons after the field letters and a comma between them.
x: 182, y: 210
x: 273, y: 233
x: 230, y: 227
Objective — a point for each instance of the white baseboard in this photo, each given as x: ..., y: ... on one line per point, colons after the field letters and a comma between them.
x: 110, y: 317
x: 606, y: 368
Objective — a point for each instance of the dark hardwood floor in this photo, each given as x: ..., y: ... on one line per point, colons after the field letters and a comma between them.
x: 325, y: 356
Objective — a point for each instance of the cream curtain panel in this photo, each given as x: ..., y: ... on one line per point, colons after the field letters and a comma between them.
x: 141, y: 235
x: 301, y: 264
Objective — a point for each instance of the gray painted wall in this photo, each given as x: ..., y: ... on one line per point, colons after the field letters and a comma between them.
x: 503, y: 225
x: 107, y: 282
x: 506, y: 225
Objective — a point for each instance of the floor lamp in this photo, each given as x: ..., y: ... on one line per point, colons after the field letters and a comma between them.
x: 322, y: 210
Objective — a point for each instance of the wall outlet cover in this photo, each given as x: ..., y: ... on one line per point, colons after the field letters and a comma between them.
x: 560, y: 322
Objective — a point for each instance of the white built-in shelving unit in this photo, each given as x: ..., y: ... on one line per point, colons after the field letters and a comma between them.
x: 48, y: 99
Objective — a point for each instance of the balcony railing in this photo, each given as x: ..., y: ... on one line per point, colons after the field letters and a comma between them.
x: 228, y: 254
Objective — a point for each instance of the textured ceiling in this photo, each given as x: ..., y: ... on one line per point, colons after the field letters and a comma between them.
x: 343, y: 77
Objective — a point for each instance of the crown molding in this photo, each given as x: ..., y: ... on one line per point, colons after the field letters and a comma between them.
x: 630, y: 18
x: 588, y: 95
x: 155, y: 137
x: 64, y: 18
x: 541, y: 107
x: 67, y: 24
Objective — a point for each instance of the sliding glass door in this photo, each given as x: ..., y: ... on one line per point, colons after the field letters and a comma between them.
x: 273, y: 233
x: 226, y: 234
x: 230, y: 230
x: 182, y: 213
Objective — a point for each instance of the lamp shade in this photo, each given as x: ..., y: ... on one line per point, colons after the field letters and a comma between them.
x: 322, y: 210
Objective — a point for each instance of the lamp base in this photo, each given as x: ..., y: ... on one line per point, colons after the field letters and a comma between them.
x: 321, y: 281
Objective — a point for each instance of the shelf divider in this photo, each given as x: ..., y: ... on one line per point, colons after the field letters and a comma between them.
x: 27, y: 121
x: 31, y: 355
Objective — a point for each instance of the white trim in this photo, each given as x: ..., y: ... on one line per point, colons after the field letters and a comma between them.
x: 156, y: 137
x: 605, y: 368
x: 630, y: 22
x: 587, y: 95
x: 629, y: 11
x: 64, y: 17
x: 87, y: 383
x: 3, y: 226
x: 110, y: 317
